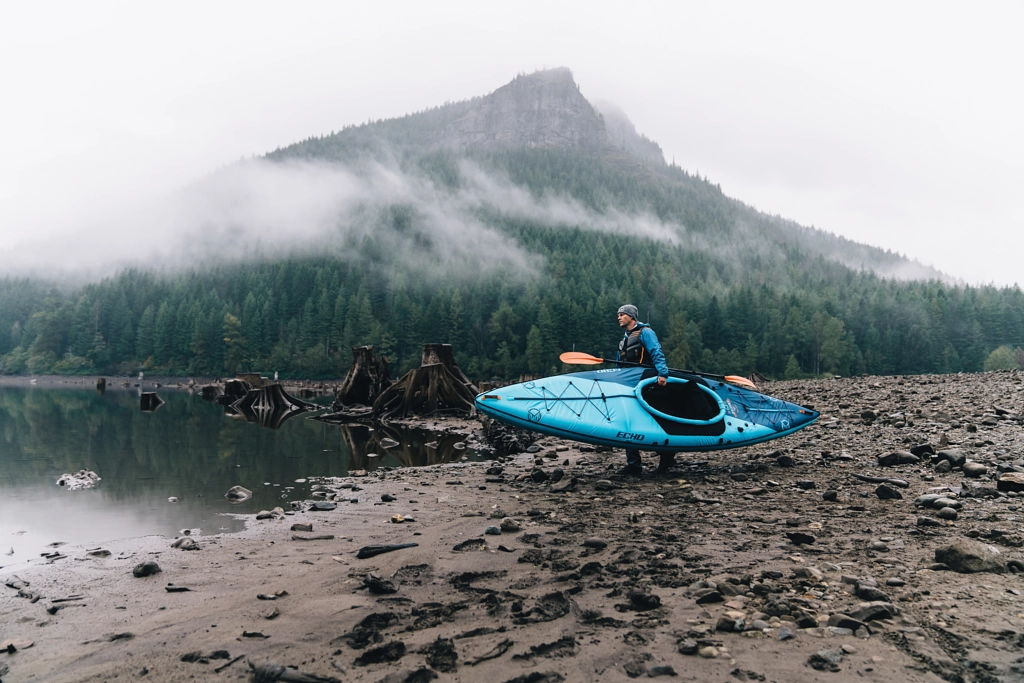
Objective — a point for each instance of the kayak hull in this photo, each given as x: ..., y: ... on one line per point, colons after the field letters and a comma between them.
x: 625, y: 408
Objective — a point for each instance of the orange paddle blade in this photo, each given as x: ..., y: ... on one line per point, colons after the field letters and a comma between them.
x: 579, y: 358
x: 741, y: 382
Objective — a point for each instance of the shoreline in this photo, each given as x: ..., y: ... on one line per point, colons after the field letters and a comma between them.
x: 610, y: 579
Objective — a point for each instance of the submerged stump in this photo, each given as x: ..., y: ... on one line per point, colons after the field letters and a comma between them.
x: 270, y: 406
x: 437, y: 387
x: 149, y: 401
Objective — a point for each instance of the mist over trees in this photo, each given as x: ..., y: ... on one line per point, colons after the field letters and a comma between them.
x: 593, y: 225
x: 301, y: 315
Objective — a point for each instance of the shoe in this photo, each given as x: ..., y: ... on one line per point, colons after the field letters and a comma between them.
x: 666, y: 463
x: 630, y: 471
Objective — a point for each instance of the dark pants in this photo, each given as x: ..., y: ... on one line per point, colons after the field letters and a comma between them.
x: 633, y: 458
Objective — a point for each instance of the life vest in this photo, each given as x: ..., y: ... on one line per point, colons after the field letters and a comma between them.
x: 632, y: 350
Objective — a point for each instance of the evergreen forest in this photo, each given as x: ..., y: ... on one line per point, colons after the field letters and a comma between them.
x: 744, y: 292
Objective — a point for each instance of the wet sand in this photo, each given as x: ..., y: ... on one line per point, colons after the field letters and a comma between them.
x: 611, y: 579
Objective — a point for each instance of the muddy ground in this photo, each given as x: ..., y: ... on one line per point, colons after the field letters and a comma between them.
x: 769, y: 563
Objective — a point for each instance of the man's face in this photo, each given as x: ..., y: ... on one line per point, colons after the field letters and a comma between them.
x: 625, y: 320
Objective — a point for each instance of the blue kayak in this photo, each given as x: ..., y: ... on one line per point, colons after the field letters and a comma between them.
x: 625, y: 408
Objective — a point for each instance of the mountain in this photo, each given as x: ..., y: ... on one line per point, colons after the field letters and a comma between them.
x: 511, y: 226
x: 543, y: 119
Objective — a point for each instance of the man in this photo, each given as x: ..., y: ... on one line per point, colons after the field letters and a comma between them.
x: 640, y: 345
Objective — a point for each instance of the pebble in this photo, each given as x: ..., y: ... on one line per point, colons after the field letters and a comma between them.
x: 708, y: 652
x: 895, y: 581
x: 879, y: 547
x: 947, y: 513
x: 799, y: 538
x: 509, y: 525
x: 830, y: 495
x: 492, y: 531
x: 661, y: 670
x: 595, y: 543
x: 688, y: 646
x: 943, y: 467
x: 784, y: 461
x: 805, y: 484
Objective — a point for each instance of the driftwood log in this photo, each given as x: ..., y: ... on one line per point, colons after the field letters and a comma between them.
x: 437, y: 387
x: 368, y: 377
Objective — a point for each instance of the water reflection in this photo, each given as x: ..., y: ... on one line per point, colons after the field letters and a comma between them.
x: 392, y: 446
x: 268, y: 406
x: 188, y: 449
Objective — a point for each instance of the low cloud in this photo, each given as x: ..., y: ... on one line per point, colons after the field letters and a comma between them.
x: 366, y: 211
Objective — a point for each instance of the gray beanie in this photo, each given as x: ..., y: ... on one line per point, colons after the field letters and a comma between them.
x: 630, y: 310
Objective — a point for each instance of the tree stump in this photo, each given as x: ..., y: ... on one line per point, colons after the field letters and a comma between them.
x: 437, y: 387
x: 367, y: 378
x: 270, y: 406
x: 149, y: 401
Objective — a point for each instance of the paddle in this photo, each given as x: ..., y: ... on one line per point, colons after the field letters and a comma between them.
x: 580, y: 358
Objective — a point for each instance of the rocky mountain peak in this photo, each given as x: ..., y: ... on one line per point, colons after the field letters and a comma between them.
x: 542, y: 109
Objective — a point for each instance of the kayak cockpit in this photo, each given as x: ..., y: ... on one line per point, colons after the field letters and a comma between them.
x: 680, y: 400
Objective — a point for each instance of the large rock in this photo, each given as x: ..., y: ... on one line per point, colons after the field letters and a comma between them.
x: 974, y: 469
x: 898, y: 458
x: 969, y: 557
x: 955, y: 456
x: 1011, y: 481
x: 869, y: 611
x: 887, y: 492
x: 236, y: 494
x: 82, y: 479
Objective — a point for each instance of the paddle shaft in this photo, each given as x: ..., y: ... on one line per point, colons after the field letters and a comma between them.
x: 689, y: 372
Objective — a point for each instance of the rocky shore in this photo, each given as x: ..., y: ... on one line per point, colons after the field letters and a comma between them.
x: 882, y: 543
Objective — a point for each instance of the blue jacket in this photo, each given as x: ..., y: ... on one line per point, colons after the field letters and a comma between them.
x: 650, y: 341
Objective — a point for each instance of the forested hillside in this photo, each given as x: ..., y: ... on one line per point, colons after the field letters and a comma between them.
x: 597, y: 221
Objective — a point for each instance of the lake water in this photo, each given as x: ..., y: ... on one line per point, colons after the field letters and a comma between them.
x: 188, y: 448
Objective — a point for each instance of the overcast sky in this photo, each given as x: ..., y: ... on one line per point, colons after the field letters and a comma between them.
x: 895, y: 124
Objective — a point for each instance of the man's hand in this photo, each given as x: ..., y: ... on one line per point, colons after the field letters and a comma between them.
x: 662, y: 381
